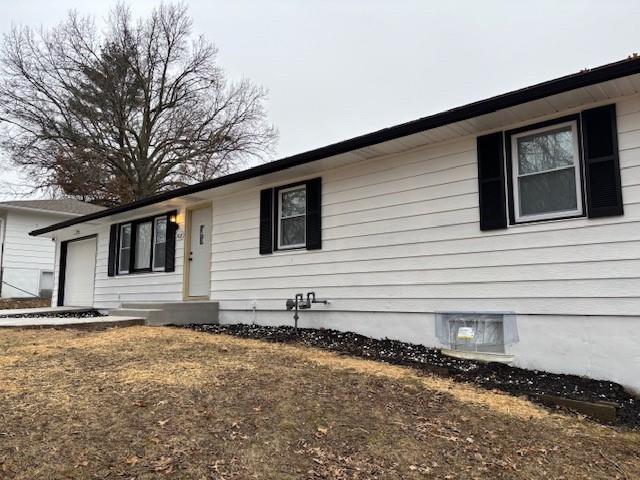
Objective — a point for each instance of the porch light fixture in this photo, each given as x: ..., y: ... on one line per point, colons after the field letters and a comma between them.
x: 175, y: 219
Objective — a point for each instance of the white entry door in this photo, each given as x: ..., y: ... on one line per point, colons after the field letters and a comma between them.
x: 80, y: 272
x: 200, y: 253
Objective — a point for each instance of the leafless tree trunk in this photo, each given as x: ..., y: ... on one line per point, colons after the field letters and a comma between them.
x: 117, y: 116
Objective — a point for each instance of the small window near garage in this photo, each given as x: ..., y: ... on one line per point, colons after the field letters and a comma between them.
x: 45, y: 289
x: 546, y: 176
x: 476, y: 332
x: 292, y: 213
x: 159, y: 243
x: 124, y: 256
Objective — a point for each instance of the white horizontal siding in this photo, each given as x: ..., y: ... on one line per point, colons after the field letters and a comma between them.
x: 24, y: 257
x: 401, y: 233
x: 22, y: 250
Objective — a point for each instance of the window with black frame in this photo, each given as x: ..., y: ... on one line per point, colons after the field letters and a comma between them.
x: 142, y: 245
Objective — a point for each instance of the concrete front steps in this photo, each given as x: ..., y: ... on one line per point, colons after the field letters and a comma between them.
x: 170, y: 313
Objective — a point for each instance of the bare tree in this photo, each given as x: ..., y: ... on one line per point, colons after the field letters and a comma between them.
x: 116, y: 115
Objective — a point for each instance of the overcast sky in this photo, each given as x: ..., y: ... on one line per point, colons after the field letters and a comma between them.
x: 340, y: 68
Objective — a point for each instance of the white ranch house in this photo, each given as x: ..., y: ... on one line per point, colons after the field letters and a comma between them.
x: 506, y: 229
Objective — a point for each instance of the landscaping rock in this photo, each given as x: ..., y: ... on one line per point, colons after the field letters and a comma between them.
x: 71, y: 314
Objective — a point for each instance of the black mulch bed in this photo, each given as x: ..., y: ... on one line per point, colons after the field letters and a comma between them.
x: 512, y: 380
x: 71, y: 314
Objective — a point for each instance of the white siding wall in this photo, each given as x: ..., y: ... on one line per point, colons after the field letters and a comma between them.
x: 402, y: 234
x: 24, y: 256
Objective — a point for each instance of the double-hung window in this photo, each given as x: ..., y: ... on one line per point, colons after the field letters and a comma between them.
x: 142, y: 259
x: 292, y: 217
x: 546, y: 174
x: 124, y: 253
x: 159, y: 243
x: 142, y: 245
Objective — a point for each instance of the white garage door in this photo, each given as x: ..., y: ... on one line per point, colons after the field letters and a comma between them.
x: 80, y: 272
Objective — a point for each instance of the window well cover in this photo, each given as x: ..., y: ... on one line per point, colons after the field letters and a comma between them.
x: 476, y: 332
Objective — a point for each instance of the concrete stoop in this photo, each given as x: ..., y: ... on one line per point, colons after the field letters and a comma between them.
x: 170, y: 313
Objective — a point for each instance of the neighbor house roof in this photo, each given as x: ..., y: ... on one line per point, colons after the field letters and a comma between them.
x: 567, y: 83
x: 62, y: 205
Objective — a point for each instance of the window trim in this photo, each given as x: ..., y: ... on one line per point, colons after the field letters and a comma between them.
x: 512, y: 170
x: 154, y: 242
x: 278, y: 214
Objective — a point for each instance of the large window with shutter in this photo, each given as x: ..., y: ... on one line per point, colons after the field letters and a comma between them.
x: 143, y: 245
x: 562, y: 168
x: 290, y: 217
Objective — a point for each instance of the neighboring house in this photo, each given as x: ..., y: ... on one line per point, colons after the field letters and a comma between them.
x: 26, y: 262
x: 506, y: 229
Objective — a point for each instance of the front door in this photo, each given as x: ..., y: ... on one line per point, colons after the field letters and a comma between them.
x: 200, y: 253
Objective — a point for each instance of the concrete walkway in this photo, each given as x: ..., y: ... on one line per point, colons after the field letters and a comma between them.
x: 71, y: 322
x: 7, y: 320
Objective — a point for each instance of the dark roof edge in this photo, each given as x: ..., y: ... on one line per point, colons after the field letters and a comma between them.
x: 584, y: 78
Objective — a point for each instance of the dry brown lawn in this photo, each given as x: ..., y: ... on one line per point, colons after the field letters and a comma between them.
x: 146, y: 402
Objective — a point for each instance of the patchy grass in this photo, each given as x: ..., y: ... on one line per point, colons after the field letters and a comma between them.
x: 145, y: 402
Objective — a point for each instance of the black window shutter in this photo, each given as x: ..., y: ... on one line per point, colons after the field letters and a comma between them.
x: 314, y: 214
x: 493, y: 211
x: 62, y: 272
x: 113, y: 250
x: 170, y: 246
x: 601, y: 163
x: 266, y: 219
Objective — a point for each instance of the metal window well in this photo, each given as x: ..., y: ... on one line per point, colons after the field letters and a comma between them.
x: 477, y: 332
